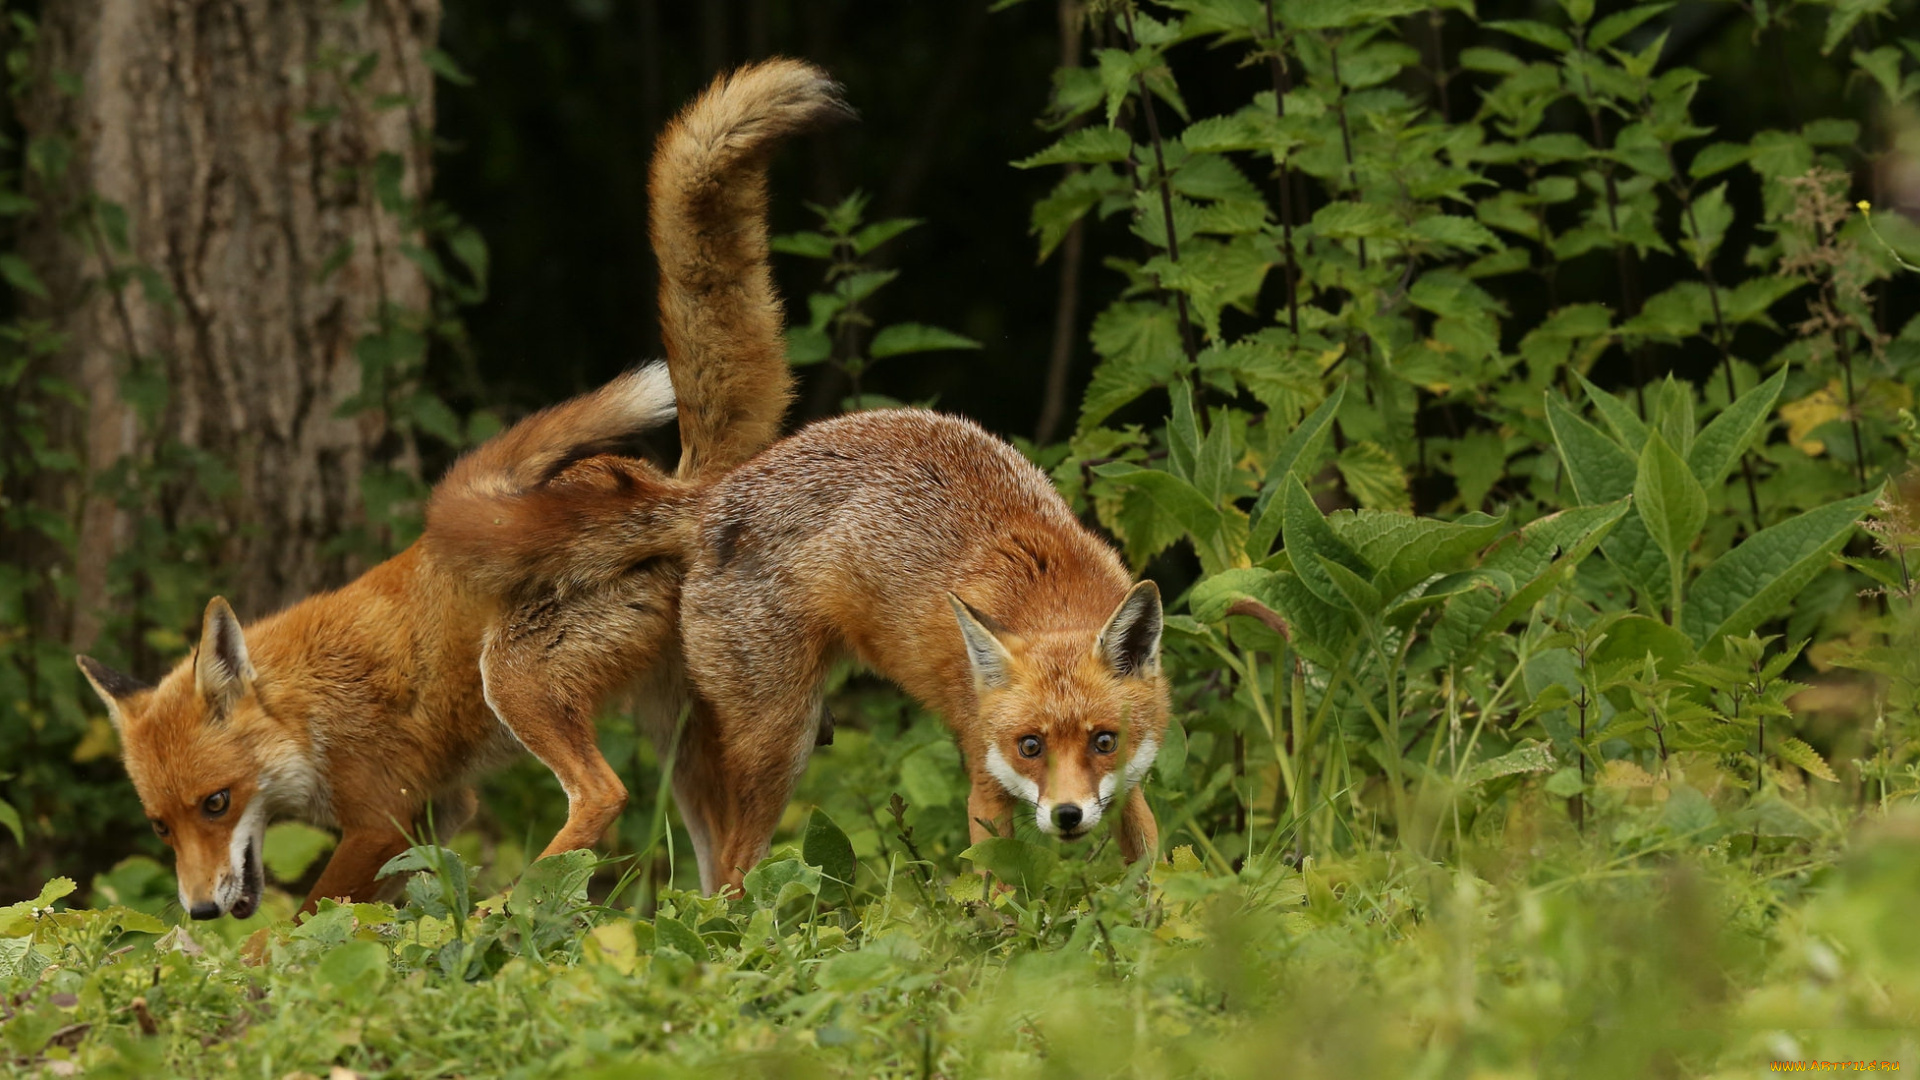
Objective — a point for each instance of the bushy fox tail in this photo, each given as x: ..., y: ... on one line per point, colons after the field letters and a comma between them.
x: 718, y: 313
x: 557, y: 500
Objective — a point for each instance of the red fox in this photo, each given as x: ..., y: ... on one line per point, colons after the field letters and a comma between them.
x: 938, y: 556
x: 917, y: 544
x: 358, y: 708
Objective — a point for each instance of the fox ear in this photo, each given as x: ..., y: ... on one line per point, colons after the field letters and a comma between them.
x: 222, y: 673
x: 1130, y: 642
x: 113, y: 687
x: 989, y: 658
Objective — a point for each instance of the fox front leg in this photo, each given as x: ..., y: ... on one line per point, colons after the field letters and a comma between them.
x: 1139, y: 834
x: 989, y: 810
x: 352, y: 873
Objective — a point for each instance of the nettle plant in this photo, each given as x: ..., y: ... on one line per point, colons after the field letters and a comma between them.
x: 840, y: 329
x: 1325, y: 291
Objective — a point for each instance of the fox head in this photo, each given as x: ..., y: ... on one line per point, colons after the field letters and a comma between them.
x: 199, y: 775
x: 1071, y: 722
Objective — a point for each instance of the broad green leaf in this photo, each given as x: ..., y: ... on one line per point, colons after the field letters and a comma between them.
x: 20, y: 275
x: 1320, y: 629
x: 1026, y: 866
x: 1408, y: 550
x: 1306, y: 534
x: 1303, y: 440
x: 290, y: 847
x: 1600, y: 470
x: 1183, y: 503
x: 669, y: 933
x: 913, y: 337
x: 1209, y: 600
x: 1705, y: 224
x: 1635, y: 637
x: 1728, y: 435
x: 1519, y: 570
x: 1529, y: 757
x: 1551, y: 37
x: 1607, y: 30
x: 1373, y: 476
x: 11, y: 819
x: 1087, y: 146
x: 1359, y: 595
x: 826, y: 847
x: 1183, y: 431
x: 1718, y: 158
x: 1213, y: 469
x: 1756, y: 580
x: 1799, y: 753
x: 1669, y: 500
x: 1626, y: 424
x: 354, y: 971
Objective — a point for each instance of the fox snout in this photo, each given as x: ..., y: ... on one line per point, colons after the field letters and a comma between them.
x: 220, y: 870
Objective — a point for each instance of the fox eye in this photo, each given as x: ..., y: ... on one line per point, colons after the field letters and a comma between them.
x: 160, y: 828
x: 1105, y: 742
x: 1029, y: 746
x: 215, y: 804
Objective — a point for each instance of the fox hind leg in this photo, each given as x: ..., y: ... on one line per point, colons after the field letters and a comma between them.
x: 547, y: 666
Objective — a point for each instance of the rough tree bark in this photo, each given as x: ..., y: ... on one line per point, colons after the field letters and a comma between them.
x: 207, y: 122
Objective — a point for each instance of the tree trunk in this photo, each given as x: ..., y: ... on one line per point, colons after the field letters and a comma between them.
x: 237, y: 140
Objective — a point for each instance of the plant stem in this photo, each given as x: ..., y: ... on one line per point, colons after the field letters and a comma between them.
x: 1346, y: 136
x: 1282, y: 85
x: 1166, y: 196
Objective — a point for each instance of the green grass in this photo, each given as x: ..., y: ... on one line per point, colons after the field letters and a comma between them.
x: 1535, y: 950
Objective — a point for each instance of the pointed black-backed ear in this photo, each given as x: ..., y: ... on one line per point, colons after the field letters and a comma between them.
x: 113, y: 687
x: 989, y: 658
x: 222, y: 673
x: 1130, y: 642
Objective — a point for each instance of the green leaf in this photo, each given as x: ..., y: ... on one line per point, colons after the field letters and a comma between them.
x: 1718, y: 158
x: 1796, y: 752
x: 1304, y: 438
x: 1529, y: 757
x: 1358, y: 593
x: 290, y: 847
x: 1537, y: 32
x: 1669, y: 500
x: 1607, y: 30
x: 1626, y: 424
x: 902, y: 338
x: 1374, y: 476
x: 809, y: 245
x: 1409, y: 550
x: 1600, y: 470
x: 444, y: 66
x: 1306, y: 534
x: 1025, y: 866
x: 1756, y: 580
x: 825, y: 846
x: 880, y: 232
x: 11, y: 819
x: 670, y: 933
x: 21, y: 276
x: 1728, y: 435
x: 1087, y: 146
x: 1521, y: 569
x: 1705, y: 224
x: 354, y: 971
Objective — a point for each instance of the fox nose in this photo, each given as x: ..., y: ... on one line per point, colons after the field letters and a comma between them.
x: 205, y: 909
x: 1067, y: 816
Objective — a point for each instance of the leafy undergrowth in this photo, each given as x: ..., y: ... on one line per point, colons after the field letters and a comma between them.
x: 1550, y: 954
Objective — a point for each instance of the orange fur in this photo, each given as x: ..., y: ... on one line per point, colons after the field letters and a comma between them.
x: 938, y: 556
x: 360, y: 708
